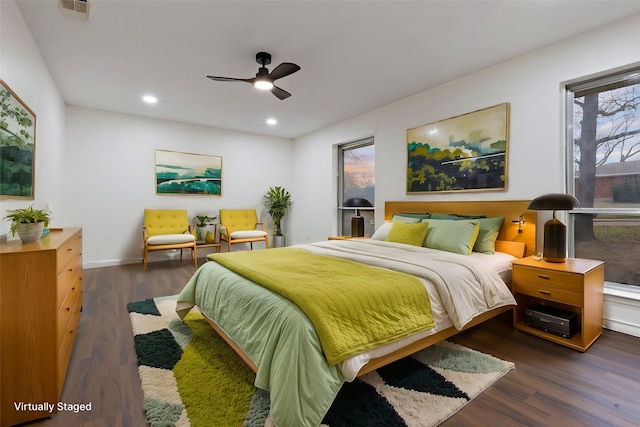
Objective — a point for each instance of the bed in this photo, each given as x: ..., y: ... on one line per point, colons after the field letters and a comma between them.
x: 303, y: 357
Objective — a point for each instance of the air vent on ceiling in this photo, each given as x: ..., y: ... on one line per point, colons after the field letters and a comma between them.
x: 77, y: 7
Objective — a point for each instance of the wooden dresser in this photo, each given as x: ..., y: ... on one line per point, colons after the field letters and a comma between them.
x: 40, y: 305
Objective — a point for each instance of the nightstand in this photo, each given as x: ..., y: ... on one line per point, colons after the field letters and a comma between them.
x: 573, y: 286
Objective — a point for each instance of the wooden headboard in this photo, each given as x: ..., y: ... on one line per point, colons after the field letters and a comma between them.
x: 509, y: 209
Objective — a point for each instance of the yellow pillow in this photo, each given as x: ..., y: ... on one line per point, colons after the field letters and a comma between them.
x: 409, y: 234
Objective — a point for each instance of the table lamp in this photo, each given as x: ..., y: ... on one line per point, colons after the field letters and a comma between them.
x: 357, y: 222
x: 555, y: 248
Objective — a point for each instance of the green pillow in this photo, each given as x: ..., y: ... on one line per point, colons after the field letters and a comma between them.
x: 455, y: 216
x: 456, y: 236
x: 412, y: 218
x: 407, y: 219
x: 409, y: 234
x: 487, y: 235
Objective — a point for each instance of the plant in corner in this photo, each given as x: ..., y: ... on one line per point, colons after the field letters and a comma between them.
x: 28, y: 223
x: 201, y: 226
x: 278, y: 200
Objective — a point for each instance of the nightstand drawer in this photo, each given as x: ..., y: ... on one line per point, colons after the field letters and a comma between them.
x: 556, y: 279
x: 548, y: 293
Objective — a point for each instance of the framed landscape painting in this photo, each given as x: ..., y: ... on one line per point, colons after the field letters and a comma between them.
x: 462, y: 153
x: 17, y: 146
x: 188, y: 174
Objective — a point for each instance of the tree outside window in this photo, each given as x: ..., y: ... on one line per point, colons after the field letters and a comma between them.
x: 606, y: 173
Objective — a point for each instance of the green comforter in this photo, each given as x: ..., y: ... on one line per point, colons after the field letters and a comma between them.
x: 353, y: 307
x: 275, y: 335
x: 281, y: 340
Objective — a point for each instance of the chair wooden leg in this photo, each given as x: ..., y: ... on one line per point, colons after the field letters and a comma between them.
x: 266, y: 243
x: 180, y: 254
x: 195, y: 257
x: 145, y: 255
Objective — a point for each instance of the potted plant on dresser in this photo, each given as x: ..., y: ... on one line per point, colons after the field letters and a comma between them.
x: 277, y: 200
x: 28, y: 223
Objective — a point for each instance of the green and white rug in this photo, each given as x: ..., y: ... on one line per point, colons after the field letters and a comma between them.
x: 191, y: 377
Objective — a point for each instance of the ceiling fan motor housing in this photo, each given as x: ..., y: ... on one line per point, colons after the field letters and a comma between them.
x: 263, y: 58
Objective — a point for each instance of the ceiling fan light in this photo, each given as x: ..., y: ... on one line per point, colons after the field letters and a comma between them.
x: 263, y: 84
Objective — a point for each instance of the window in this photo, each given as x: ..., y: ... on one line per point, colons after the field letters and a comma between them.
x: 356, y: 179
x: 604, y: 172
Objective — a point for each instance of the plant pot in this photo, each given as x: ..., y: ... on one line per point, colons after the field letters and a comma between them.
x: 201, y: 234
x: 279, y: 241
x: 30, y: 232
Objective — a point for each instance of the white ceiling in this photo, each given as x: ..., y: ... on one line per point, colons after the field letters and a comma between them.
x: 355, y: 55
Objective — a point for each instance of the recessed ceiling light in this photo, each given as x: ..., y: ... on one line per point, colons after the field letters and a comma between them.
x: 272, y: 121
x: 150, y: 99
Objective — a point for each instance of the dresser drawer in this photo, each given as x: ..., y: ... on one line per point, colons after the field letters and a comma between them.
x: 66, y: 345
x: 557, y: 279
x: 67, y: 278
x: 68, y: 250
x: 66, y: 309
x: 548, y: 293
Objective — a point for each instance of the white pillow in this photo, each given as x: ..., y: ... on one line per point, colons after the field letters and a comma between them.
x: 248, y: 234
x: 383, y: 231
x: 170, y: 239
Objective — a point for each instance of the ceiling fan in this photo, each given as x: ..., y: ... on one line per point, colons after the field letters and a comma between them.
x: 264, y: 79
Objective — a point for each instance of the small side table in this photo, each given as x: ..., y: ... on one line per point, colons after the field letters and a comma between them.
x: 200, y: 245
x: 575, y: 285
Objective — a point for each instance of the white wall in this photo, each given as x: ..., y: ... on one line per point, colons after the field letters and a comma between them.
x: 532, y: 84
x: 110, y: 176
x: 23, y: 69
x: 96, y: 168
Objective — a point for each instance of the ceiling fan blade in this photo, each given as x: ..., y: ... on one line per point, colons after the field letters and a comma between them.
x: 280, y: 93
x: 229, y: 79
x: 283, y: 70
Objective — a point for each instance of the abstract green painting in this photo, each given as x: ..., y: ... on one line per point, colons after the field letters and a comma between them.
x: 188, y: 173
x: 462, y: 153
x: 17, y: 146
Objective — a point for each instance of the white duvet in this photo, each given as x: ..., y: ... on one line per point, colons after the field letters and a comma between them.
x: 460, y: 287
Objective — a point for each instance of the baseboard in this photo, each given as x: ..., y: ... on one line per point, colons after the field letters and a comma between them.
x: 622, y: 308
x: 111, y: 262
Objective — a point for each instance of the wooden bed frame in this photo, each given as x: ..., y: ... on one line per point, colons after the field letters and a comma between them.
x: 510, y: 240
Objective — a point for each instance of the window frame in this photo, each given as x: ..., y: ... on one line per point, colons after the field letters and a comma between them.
x: 610, y: 79
x: 341, y: 148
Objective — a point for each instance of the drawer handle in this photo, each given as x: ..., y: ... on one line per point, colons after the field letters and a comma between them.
x: 68, y: 309
x: 69, y: 249
x: 544, y: 276
x: 544, y: 292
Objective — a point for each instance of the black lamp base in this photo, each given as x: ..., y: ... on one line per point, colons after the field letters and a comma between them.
x: 555, y: 249
x: 357, y: 226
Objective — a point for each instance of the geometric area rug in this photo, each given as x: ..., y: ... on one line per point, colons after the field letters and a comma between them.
x: 191, y: 377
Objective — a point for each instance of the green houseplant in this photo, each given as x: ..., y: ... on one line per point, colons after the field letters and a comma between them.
x: 277, y: 200
x: 28, y: 223
x: 201, y: 226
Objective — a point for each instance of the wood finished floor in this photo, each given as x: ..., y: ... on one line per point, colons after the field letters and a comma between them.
x: 551, y: 385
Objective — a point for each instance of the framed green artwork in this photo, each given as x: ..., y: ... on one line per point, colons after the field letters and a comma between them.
x: 462, y: 153
x: 17, y: 146
x: 188, y: 173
